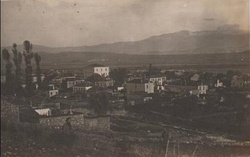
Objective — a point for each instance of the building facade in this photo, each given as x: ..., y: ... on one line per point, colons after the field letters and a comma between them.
x: 203, y: 89
x: 105, y: 83
x: 103, y: 71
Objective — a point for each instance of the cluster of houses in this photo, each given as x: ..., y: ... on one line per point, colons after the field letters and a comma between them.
x: 67, y: 96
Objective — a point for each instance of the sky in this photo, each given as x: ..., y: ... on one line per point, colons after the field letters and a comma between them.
x: 68, y: 23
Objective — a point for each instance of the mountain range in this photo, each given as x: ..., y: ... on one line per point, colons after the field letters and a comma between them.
x: 182, y: 42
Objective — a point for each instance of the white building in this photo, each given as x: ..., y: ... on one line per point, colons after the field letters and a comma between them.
x: 34, y: 78
x: 149, y: 87
x: 52, y: 91
x: 219, y: 84
x: 103, y: 71
x: 157, y: 80
x: 203, y: 89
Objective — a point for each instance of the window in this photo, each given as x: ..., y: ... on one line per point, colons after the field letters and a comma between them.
x: 106, y: 69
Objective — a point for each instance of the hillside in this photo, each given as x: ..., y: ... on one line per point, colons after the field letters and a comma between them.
x: 183, y: 42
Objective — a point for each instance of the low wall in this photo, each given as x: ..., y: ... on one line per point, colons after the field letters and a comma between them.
x: 118, y: 112
x: 85, y: 111
x: 97, y: 122
x: 77, y: 121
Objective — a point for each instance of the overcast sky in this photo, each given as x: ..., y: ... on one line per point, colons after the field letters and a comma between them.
x: 65, y: 23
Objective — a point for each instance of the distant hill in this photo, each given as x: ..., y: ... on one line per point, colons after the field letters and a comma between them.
x: 81, y: 59
x: 222, y: 40
x: 68, y: 60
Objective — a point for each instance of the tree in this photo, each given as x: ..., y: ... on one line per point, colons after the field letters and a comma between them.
x: 118, y: 75
x: 8, y: 67
x: 17, y: 59
x: 230, y: 74
x: 28, y: 55
x: 38, y: 70
x: 94, y: 78
x: 99, y: 101
x: 220, y: 76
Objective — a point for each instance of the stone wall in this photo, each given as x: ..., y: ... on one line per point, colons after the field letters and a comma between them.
x: 118, y: 112
x: 85, y: 111
x: 9, y: 111
x: 77, y: 121
x: 97, y: 122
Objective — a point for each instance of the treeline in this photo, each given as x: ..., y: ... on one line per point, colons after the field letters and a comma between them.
x: 13, y: 84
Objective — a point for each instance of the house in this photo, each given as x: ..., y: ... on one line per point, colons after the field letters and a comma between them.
x: 34, y: 78
x: 157, y: 80
x: 82, y: 87
x: 57, y: 81
x: 218, y: 84
x: 79, y: 81
x: 203, y: 89
x: 120, y: 88
x: 194, y: 92
x: 105, y: 83
x: 103, y: 71
x: 44, y: 111
x: 195, y: 77
x: 69, y: 82
x: 139, y: 85
x: 237, y: 82
x: 52, y: 91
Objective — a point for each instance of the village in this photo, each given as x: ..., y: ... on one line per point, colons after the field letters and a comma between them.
x: 193, y: 107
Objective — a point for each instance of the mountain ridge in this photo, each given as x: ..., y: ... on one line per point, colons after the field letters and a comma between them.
x: 182, y: 42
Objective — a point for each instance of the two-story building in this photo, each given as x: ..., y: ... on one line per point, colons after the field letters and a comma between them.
x: 202, y: 89
x: 157, y: 80
x: 103, y: 71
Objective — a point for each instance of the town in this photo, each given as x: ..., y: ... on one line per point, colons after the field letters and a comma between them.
x: 130, y: 103
x: 125, y: 78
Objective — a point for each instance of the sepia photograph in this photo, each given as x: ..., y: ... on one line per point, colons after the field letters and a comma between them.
x: 125, y: 78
